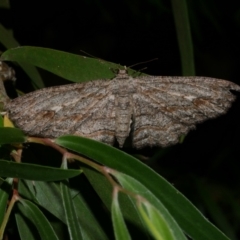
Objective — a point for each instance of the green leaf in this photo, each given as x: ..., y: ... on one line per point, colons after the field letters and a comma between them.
x: 34, y: 172
x: 213, y: 208
x: 90, y: 226
x: 120, y: 228
x: 104, y: 191
x: 33, y: 213
x: 180, y: 13
x: 42, y: 193
x: 24, y: 191
x: 33, y: 74
x: 24, y: 228
x: 73, y: 67
x: 1, y: 121
x: 187, y: 216
x: 11, y: 135
x: 164, y: 221
x: 155, y: 222
x: 7, y: 39
x: 5, y: 4
x: 74, y: 228
x: 45, y: 192
x: 5, y: 190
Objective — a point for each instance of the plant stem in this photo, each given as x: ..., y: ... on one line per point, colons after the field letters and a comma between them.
x: 15, y: 197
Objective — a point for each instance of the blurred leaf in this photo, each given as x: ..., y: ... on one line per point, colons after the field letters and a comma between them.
x: 33, y: 213
x: 5, y: 190
x: 120, y: 228
x: 128, y: 209
x: 180, y: 13
x: 165, y: 220
x: 4, y: 4
x: 33, y: 74
x: 34, y: 172
x: 25, y: 191
x: 1, y: 121
x: 74, y: 229
x: 73, y: 67
x: 7, y: 122
x: 179, y: 207
x: 7, y: 39
x: 45, y: 192
x: 90, y: 226
x: 24, y: 228
x: 155, y: 222
x: 214, y: 210
x: 11, y: 135
x: 42, y: 193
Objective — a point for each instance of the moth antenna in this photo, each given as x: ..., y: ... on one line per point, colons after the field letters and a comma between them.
x: 143, y: 62
x: 90, y: 55
x: 140, y: 70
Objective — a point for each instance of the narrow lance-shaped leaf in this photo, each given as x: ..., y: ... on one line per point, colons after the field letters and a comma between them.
x: 34, y: 172
x: 11, y: 135
x: 33, y: 213
x: 7, y: 39
x: 179, y: 207
x: 104, y: 190
x: 24, y: 228
x: 161, y: 224
x: 70, y: 66
x: 43, y: 193
x: 74, y: 229
x: 156, y: 224
x: 119, y: 226
x: 182, y: 23
x: 5, y: 190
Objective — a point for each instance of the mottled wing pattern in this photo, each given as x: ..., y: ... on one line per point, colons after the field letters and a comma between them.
x: 84, y: 109
x: 167, y: 107
x: 156, y: 109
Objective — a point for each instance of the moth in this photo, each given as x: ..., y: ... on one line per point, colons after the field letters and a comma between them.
x: 152, y: 110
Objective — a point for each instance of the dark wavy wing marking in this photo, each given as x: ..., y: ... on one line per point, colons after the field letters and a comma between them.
x: 163, y: 108
x: 167, y: 107
x: 85, y: 109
